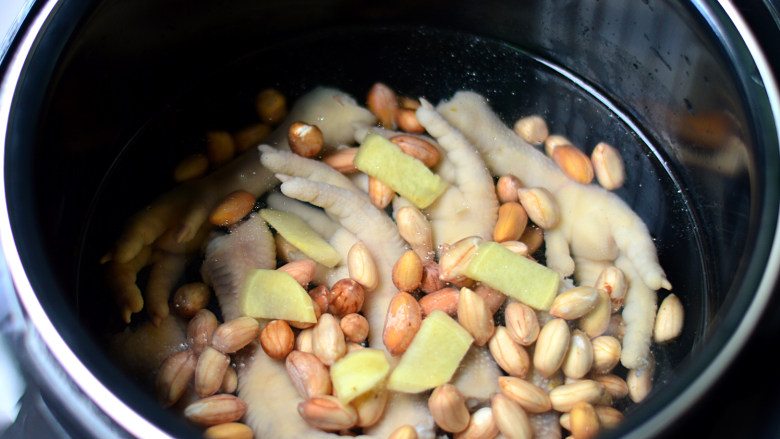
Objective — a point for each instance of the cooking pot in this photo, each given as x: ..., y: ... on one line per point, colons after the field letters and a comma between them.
x: 101, y: 98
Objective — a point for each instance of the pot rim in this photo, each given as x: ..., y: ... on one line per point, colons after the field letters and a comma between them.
x: 139, y: 426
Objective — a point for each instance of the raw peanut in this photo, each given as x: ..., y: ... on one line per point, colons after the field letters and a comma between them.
x: 573, y: 163
x: 445, y: 300
x: 415, y: 229
x: 530, y: 397
x: 352, y: 347
x: 321, y: 296
x: 342, y: 160
x: 200, y: 330
x: 277, y: 339
x: 304, y: 139
x: 191, y: 167
x: 522, y: 323
x: 232, y: 208
x: 307, y: 373
x: 383, y: 102
x: 574, y: 302
x: 302, y: 270
x: 482, y: 425
x: 579, y: 356
x: 404, y: 432
x: 613, y: 384
x: 251, y: 136
x: 271, y: 106
x: 284, y: 250
x: 613, y: 281
x: 584, y: 421
x: 533, y: 129
x: 617, y: 327
x: 303, y: 342
x: 475, y: 316
x: 551, y: 347
x: 380, y: 194
x: 370, y: 406
x: 231, y: 336
x: 191, y: 298
x: 511, y: 222
x: 406, y: 119
x: 609, y: 417
x: 448, y: 408
x: 669, y: 320
x: 510, y: 356
x: 229, y: 381
x: 606, y: 353
x: 553, y: 141
x: 306, y: 325
x: 408, y: 271
x: 532, y: 237
x: 362, y: 267
x: 639, y: 382
x: 541, y: 207
x: 431, y: 282
x: 220, y: 147
x: 210, y: 371
x: 214, y: 410
x: 506, y: 188
x: 346, y: 296
x: 327, y: 340
x: 565, y: 396
x: 355, y: 327
x: 327, y: 413
x: 516, y: 247
x: 408, y: 103
x: 455, y: 257
x: 229, y: 430
x: 565, y: 421
x: 597, y: 320
x: 418, y: 148
x: 608, y: 166
x: 492, y: 297
x: 174, y: 377
x: 404, y: 317
x: 511, y: 419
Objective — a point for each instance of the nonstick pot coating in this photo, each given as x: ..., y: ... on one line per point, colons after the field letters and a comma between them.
x: 126, y: 102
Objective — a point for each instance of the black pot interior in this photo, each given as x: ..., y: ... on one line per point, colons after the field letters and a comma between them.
x: 107, y: 111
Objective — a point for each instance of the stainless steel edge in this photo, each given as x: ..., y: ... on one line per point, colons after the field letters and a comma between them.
x: 692, y: 393
x: 109, y: 403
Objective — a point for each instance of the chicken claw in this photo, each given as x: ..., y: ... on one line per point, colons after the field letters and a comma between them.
x: 595, y: 224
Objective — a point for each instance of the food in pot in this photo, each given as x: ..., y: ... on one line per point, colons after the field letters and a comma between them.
x: 438, y: 313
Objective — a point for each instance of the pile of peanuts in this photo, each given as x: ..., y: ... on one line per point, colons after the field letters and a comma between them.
x: 561, y: 361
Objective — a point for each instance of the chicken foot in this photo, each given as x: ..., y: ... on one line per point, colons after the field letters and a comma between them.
x: 595, y: 224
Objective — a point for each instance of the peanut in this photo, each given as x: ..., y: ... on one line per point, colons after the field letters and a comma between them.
x: 220, y: 147
x: 191, y: 167
x: 511, y: 222
x: 370, y: 406
x: 584, y: 421
x: 573, y: 163
x: 553, y: 141
x: 511, y: 419
x: 608, y: 166
x: 482, y: 425
x: 308, y: 374
x: 210, y: 371
x: 418, y: 148
x: 415, y: 229
x: 302, y: 270
x: 408, y: 271
x: 492, y: 297
x: 380, y: 194
x: 406, y: 119
x: 510, y: 356
x: 174, y: 376
x: 613, y: 281
x: 669, y: 320
x: 404, y: 317
x: 448, y: 408
x: 229, y: 430
x: 327, y: 413
x: 551, y: 347
x: 431, y: 278
x: 250, y: 136
x: 200, y: 329
x: 355, y: 327
x: 277, y: 339
x: 342, y: 160
x: 345, y: 297
x: 541, y: 207
x: 530, y: 397
x: 475, y: 316
x: 383, y: 102
x: 271, y: 106
x: 362, y: 267
x: 304, y: 139
x: 328, y: 341
x: 191, y: 298
x: 445, y: 300
x: 231, y: 336
x: 579, y: 356
x: 214, y: 410
x: 533, y: 129
x: 522, y: 323
x: 606, y: 353
x: 232, y: 208
x: 574, y: 302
